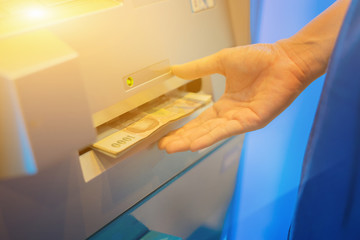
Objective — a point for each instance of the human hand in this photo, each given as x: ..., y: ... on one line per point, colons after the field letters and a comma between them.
x: 261, y: 81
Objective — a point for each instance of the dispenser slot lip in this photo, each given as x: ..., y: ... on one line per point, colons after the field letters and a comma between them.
x: 155, y: 90
x: 141, y: 87
x: 132, y: 128
x: 95, y: 162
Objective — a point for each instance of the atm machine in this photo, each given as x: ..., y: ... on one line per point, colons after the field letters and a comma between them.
x: 69, y: 71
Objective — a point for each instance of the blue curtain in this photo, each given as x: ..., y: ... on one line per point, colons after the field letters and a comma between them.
x: 270, y: 166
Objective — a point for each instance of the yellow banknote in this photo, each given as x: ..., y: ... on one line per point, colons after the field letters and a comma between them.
x: 151, y: 121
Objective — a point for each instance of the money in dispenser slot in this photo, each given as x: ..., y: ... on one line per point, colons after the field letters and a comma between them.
x: 153, y: 119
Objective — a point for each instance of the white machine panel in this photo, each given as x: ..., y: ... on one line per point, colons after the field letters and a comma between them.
x: 69, y: 68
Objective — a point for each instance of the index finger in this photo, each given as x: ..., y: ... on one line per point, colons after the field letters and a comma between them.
x: 198, y: 68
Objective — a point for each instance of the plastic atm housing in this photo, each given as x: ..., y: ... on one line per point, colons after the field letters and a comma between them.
x: 60, y: 79
x: 44, y: 106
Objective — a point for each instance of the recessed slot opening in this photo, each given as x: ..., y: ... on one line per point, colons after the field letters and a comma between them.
x: 95, y: 160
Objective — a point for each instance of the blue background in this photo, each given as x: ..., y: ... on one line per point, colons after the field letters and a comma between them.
x: 271, y: 161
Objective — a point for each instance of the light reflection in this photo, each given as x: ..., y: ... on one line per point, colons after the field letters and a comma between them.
x: 35, y: 13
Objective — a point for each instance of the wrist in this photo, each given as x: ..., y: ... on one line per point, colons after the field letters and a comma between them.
x: 307, y: 57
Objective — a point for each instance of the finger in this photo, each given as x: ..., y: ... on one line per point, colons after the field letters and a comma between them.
x: 208, y: 114
x: 182, y: 141
x: 220, y: 132
x: 165, y: 140
x: 198, y: 68
x: 180, y: 145
x: 193, y: 124
x: 177, y: 134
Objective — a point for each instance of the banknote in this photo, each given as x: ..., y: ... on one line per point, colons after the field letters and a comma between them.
x: 148, y: 122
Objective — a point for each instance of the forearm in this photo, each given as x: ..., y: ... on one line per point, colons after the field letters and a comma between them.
x: 310, y: 49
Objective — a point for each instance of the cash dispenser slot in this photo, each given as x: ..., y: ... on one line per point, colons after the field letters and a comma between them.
x: 146, y: 85
x: 122, y: 133
x: 143, y: 122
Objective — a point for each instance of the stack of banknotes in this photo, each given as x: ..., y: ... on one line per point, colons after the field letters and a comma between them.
x: 128, y: 130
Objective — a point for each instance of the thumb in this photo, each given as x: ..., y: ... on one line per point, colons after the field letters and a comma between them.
x: 198, y: 68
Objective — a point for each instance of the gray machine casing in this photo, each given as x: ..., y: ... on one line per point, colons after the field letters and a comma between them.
x: 61, y: 80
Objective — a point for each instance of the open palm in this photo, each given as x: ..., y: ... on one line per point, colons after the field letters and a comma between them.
x: 261, y: 81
